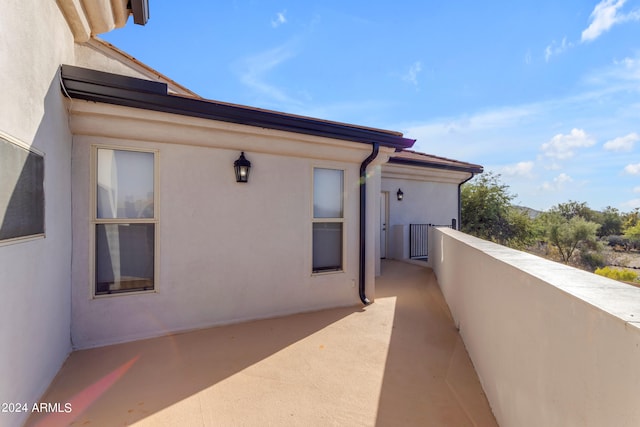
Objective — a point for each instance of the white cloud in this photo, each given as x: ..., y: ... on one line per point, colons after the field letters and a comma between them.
x: 523, y: 169
x: 631, y: 204
x: 498, y: 118
x: 412, y: 75
x: 508, y: 134
x: 470, y: 137
x: 623, y: 143
x: 627, y: 69
x: 622, y: 75
x: 563, y: 146
x: 636, y: 189
x: 633, y: 169
x: 556, y: 49
x: 256, y: 68
x: 553, y: 166
x: 604, y: 16
x: 279, y: 19
x: 558, y: 182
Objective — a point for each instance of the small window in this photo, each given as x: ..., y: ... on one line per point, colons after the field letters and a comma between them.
x: 21, y: 191
x: 125, y: 221
x: 328, y: 219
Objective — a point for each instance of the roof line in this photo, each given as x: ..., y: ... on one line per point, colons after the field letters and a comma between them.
x: 434, y: 165
x: 99, y: 86
x: 99, y: 43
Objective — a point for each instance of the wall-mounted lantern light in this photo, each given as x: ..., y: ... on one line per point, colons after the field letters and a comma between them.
x: 400, y: 194
x: 242, y: 167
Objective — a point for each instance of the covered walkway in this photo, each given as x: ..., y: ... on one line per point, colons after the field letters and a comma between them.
x: 399, y: 361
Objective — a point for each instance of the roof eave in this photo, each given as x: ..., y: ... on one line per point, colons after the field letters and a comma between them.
x: 474, y: 169
x: 87, y: 18
x: 98, y: 86
x: 140, y: 11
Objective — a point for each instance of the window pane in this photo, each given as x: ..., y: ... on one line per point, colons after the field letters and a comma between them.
x: 21, y: 191
x: 125, y: 184
x: 327, y: 246
x: 327, y: 193
x: 124, y: 257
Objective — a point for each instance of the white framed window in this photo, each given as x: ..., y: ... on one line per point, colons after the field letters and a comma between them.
x: 124, y: 220
x: 328, y: 220
x: 22, y: 203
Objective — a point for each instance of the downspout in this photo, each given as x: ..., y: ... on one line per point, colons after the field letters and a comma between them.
x: 363, y: 220
x: 460, y: 200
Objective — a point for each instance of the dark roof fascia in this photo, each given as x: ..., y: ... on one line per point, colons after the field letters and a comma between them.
x: 140, y: 11
x: 474, y: 169
x: 98, y: 86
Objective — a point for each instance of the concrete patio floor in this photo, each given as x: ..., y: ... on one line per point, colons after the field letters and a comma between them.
x: 397, y: 362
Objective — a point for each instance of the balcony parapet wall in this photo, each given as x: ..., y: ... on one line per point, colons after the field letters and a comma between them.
x: 552, y: 345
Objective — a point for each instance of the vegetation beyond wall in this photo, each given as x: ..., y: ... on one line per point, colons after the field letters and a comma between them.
x: 571, y: 232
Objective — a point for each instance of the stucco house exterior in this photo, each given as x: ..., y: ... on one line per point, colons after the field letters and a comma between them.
x: 419, y: 190
x: 136, y: 225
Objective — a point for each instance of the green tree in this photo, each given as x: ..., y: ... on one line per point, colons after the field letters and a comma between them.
x: 522, y: 231
x: 610, y: 222
x: 567, y: 235
x: 572, y: 209
x: 631, y: 219
x: 633, y: 233
x: 487, y: 212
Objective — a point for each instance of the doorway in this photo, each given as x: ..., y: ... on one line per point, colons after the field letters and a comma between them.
x: 384, y: 218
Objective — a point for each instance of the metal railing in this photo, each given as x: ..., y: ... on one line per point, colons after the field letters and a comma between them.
x: 419, y: 239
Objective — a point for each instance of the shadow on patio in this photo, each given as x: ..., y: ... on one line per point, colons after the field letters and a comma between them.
x: 429, y: 379
x: 399, y: 361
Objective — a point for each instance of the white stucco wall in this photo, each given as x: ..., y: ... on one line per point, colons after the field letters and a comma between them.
x: 35, y: 308
x: 92, y: 55
x: 98, y: 55
x: 35, y: 275
x: 228, y: 251
x: 424, y: 202
x: 552, y: 345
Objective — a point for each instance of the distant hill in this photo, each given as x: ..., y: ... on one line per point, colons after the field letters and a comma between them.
x: 532, y: 213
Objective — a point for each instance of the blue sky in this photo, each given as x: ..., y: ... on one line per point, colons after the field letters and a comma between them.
x: 545, y: 93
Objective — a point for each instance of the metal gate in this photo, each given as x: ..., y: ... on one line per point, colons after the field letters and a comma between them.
x: 419, y: 239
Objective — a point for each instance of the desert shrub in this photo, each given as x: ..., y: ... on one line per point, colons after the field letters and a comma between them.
x: 592, y: 260
x: 619, y: 242
x: 615, y: 274
x: 615, y: 240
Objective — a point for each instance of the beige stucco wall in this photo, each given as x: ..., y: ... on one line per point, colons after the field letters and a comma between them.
x: 99, y: 55
x: 424, y: 202
x: 35, y: 275
x: 209, y: 274
x: 96, y: 56
x: 552, y: 345
x: 35, y: 279
x: 228, y: 251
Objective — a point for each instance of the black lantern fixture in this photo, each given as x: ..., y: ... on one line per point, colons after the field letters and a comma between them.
x: 242, y: 167
x: 400, y: 194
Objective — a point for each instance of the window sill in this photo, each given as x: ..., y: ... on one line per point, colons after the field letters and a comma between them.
x: 24, y: 239
x: 121, y: 294
x: 326, y: 273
